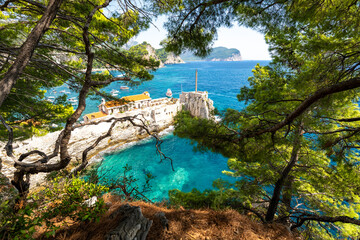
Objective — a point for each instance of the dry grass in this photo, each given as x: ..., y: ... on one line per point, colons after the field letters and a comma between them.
x: 183, y: 224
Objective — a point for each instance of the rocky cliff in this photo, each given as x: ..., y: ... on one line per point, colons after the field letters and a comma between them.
x: 173, y: 59
x: 152, y: 53
x: 168, y: 58
x: 198, y: 104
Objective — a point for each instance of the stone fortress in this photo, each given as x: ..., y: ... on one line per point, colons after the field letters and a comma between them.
x: 154, y: 110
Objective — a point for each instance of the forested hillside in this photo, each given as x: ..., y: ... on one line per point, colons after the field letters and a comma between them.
x: 217, y: 54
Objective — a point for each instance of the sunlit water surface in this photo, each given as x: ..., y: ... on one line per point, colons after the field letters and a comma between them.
x: 223, y: 81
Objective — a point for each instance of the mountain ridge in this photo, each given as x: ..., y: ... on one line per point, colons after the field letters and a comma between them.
x: 217, y: 54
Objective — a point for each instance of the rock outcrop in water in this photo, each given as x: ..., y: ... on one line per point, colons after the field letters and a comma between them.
x: 173, y: 59
x: 217, y: 54
x: 198, y: 104
x: 147, y: 51
x: 152, y: 54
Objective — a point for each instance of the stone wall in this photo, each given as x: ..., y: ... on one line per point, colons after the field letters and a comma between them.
x: 198, y: 104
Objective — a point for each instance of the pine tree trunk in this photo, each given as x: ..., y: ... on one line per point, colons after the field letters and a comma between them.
x: 286, y: 199
x: 274, y: 202
x: 27, y: 49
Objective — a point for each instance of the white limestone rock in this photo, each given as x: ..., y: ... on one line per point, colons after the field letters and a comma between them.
x: 198, y: 104
x: 173, y: 59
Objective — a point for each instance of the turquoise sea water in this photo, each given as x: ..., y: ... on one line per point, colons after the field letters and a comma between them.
x: 223, y: 81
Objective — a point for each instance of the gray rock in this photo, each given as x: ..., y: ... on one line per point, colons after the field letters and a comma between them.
x: 163, y: 220
x: 173, y: 59
x: 132, y: 225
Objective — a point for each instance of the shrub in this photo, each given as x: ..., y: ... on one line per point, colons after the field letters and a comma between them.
x: 60, y: 199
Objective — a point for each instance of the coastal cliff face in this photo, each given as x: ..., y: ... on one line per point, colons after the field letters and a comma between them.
x: 173, y: 59
x: 152, y: 53
x: 168, y: 57
x: 162, y: 56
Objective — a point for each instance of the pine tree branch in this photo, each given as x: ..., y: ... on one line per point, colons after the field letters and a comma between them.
x: 343, y: 219
x: 27, y: 49
x: 320, y: 94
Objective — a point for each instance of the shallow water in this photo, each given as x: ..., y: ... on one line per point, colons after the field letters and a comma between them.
x: 223, y: 81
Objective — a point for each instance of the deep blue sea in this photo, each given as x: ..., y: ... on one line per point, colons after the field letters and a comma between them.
x: 223, y: 81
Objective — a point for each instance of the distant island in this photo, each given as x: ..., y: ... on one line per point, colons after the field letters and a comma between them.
x: 217, y: 54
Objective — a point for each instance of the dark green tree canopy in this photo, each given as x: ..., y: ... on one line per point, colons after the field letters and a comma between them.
x: 60, y: 56
x: 51, y: 43
x: 294, y: 146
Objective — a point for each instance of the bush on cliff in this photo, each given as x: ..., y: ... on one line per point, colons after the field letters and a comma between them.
x: 60, y: 202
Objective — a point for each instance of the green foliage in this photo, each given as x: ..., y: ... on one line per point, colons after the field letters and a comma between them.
x: 194, y: 199
x: 65, y: 198
x: 314, y: 47
x: 316, y: 181
x: 162, y: 54
x: 19, y: 225
x: 196, y: 129
x: 60, y: 199
x: 219, y: 198
x: 139, y: 50
x: 59, y: 58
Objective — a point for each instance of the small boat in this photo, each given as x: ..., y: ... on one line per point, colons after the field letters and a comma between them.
x: 63, y: 91
x: 114, y: 91
x: 73, y: 100
x: 54, y: 91
x: 124, y: 87
x: 169, y: 93
x: 114, y: 94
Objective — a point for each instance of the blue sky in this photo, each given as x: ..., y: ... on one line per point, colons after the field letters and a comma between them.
x: 250, y: 43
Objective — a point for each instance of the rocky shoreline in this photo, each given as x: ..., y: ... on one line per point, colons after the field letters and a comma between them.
x: 81, y: 138
x: 157, y: 119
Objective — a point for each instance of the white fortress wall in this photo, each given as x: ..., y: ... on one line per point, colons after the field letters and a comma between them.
x: 198, y: 104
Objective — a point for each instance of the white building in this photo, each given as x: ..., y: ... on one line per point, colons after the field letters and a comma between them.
x: 151, y: 109
x: 154, y: 110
